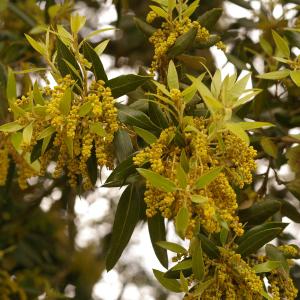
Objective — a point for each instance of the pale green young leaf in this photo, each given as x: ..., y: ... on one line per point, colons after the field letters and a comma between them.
x: 16, y: 140
x: 182, y: 221
x: 65, y: 102
x: 208, y: 177
x: 96, y: 32
x: 85, y: 109
x: 181, y: 176
x: 283, y: 60
x: 98, y: 129
x: 216, y: 84
x: 199, y: 199
x: 172, y: 247
x: 146, y: 135
x: 45, y: 144
x: 184, y: 162
x: 11, y: 127
x: 27, y: 133
x: 171, y: 6
x: 46, y: 132
x: 11, y: 87
x: 210, y: 101
x: 239, y: 87
x: 101, y: 47
x: 247, y: 97
x: 64, y: 35
x: 183, y: 283
x: 254, y: 125
x: 189, y: 93
x: 237, y: 130
x: 295, y: 76
x: 77, y: 22
x: 172, y: 77
x: 267, y: 266
x: 32, y: 70
x: 275, y: 75
x: 37, y: 96
x: 38, y: 46
x: 191, y: 9
x: 160, y: 12
x: 157, y: 180
x: 161, y: 87
x: 281, y: 44
x: 182, y: 265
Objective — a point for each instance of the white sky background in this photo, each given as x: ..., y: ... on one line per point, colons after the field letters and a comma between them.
x: 96, y: 206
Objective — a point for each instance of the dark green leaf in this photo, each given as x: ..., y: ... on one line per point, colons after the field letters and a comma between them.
x: 242, y: 3
x: 147, y: 29
x: 126, y: 218
x: 92, y: 167
x: 124, y: 84
x: 170, y: 284
x: 157, y: 116
x: 274, y: 254
x: 197, y: 259
x: 210, y: 18
x: 157, y: 232
x: 97, y: 66
x: 259, y: 212
x: 123, y: 145
x: 172, y: 247
x: 183, y: 43
x: 208, y: 246
x: 212, y: 40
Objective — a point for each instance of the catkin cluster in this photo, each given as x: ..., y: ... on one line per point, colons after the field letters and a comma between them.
x: 219, y: 199
x: 70, y: 131
x: 165, y: 37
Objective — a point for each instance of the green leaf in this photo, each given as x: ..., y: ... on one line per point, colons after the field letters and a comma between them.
x: 11, y: 127
x: 237, y: 130
x: 172, y: 77
x: 183, y: 43
x: 37, y: 96
x: 157, y: 232
x: 170, y: 284
x: 11, y: 87
x: 38, y: 46
x: 254, y: 125
x: 197, y: 259
x: 191, y: 9
x: 27, y: 133
x: 85, y: 109
x: 208, y: 246
x: 65, y: 102
x: 182, y: 221
x: 46, y: 143
x: 281, y: 44
x: 259, y: 212
x: 123, y: 145
x: 157, y: 180
x: 126, y: 218
x: 136, y: 118
x: 172, y: 247
x: 91, y: 55
x: 36, y: 151
x: 125, y: 84
x: 204, y: 44
x: 295, y: 76
x: 266, y: 46
x: 182, y: 265
x: 269, y: 147
x: 208, y: 177
x: 101, y: 47
x: 70, y: 145
x: 146, y: 135
x: 144, y: 27
x: 181, y: 176
x: 98, y: 129
x: 46, y: 132
x: 210, y: 18
x: 290, y: 211
x: 258, y: 236
x: 267, y: 266
x: 276, y: 75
